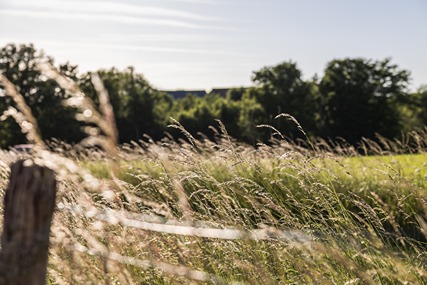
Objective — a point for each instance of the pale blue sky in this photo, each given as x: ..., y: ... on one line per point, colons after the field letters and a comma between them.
x: 201, y: 44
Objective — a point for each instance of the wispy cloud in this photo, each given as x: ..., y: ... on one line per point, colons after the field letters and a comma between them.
x: 108, y: 11
x: 123, y: 47
x: 132, y: 38
x: 161, y: 38
x: 100, y: 17
x: 196, y: 1
x: 109, y: 7
x: 157, y: 49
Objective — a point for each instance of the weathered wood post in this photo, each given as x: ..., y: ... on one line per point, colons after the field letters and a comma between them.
x: 28, y: 208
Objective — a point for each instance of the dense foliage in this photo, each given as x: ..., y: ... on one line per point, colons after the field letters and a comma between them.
x: 139, y: 108
x: 355, y: 98
x: 42, y: 95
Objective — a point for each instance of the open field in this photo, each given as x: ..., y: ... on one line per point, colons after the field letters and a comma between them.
x: 227, y: 213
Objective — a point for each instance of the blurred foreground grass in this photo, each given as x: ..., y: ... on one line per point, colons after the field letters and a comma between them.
x: 360, y: 218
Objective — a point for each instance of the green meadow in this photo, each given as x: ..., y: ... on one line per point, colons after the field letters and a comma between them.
x: 353, y: 219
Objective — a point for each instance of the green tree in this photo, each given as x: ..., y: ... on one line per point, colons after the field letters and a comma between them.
x: 139, y: 108
x: 236, y: 94
x: 414, y: 114
x: 43, y: 96
x: 196, y: 114
x: 281, y: 89
x: 251, y: 115
x: 361, y: 98
x: 240, y: 117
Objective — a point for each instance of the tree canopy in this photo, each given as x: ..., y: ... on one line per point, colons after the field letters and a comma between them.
x: 361, y: 97
x: 42, y: 95
x: 281, y: 89
x: 354, y: 98
x: 139, y: 108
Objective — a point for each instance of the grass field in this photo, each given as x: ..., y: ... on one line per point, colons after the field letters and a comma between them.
x: 323, y: 219
x: 202, y: 212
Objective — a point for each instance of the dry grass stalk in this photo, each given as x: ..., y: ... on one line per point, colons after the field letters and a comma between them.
x: 27, y: 122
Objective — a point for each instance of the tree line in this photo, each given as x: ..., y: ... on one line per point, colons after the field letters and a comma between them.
x: 354, y: 98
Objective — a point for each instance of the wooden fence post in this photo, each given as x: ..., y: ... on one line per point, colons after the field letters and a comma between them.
x: 28, y: 208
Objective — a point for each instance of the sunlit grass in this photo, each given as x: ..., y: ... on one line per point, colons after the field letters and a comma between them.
x: 362, y: 210
x: 227, y: 213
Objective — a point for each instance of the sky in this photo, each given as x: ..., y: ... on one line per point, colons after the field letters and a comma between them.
x: 204, y: 44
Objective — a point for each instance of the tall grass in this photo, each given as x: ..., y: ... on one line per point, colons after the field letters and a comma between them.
x: 221, y: 212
